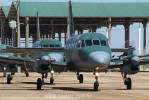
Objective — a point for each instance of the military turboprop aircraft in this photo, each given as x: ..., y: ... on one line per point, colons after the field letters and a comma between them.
x: 39, y: 61
x: 90, y: 52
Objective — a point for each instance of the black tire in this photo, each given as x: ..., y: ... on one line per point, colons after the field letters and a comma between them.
x: 4, y: 74
x: 9, y: 78
x: 39, y: 84
x: 96, y: 85
x: 51, y: 80
x: 128, y: 83
x: 27, y: 75
x: 81, y: 78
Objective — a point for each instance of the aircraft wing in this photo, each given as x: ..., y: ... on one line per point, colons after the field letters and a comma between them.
x: 31, y: 50
x: 122, y: 49
x: 14, y: 59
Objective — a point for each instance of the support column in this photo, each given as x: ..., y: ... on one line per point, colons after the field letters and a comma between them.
x: 90, y: 29
x: 68, y: 28
x: 126, y: 35
x: 78, y: 30
x: 81, y: 31
x: 109, y: 30
x: 2, y: 32
x: 18, y: 25
x: 139, y: 38
x: 47, y: 37
x: 52, y: 29
x: 14, y: 35
x: 59, y: 36
x: 27, y: 32
x: 144, y: 43
x: 65, y: 38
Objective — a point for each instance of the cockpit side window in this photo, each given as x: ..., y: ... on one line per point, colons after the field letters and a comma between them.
x: 51, y: 45
x: 96, y: 42
x: 57, y: 45
x: 45, y: 46
x: 88, y: 42
x: 82, y: 44
x: 103, y: 43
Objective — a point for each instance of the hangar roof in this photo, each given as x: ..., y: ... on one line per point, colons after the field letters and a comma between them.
x: 84, y: 9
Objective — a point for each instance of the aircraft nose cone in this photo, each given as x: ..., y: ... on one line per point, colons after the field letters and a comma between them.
x: 56, y: 57
x: 100, y: 57
x: 45, y: 58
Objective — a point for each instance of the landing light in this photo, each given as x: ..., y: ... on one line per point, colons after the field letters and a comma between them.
x: 4, y: 68
x: 52, y: 71
x: 96, y: 73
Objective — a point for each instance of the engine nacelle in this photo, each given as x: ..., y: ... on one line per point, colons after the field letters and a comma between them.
x: 130, y: 69
x: 12, y: 67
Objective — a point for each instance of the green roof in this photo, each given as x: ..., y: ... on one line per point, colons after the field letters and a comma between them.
x: 44, y: 9
x: 47, y: 42
x: 88, y: 9
x: 6, y: 10
x: 89, y: 36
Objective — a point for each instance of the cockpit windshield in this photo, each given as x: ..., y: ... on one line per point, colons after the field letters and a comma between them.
x: 88, y: 42
x: 84, y: 43
x: 96, y: 42
x: 103, y: 43
x: 50, y: 46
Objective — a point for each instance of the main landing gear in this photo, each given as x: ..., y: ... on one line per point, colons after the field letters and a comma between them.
x: 40, y: 82
x: 127, y: 81
x: 80, y: 77
x: 52, y: 77
x: 96, y: 83
x: 9, y: 78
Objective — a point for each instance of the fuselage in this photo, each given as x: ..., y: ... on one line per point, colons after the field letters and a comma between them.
x: 44, y: 59
x: 88, y: 52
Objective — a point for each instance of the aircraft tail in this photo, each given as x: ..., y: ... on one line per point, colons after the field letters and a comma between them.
x: 38, y: 29
x: 71, y: 24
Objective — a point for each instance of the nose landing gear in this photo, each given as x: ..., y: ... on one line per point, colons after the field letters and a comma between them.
x: 39, y: 83
x: 80, y: 77
x: 52, y: 77
x: 9, y: 78
x: 96, y: 83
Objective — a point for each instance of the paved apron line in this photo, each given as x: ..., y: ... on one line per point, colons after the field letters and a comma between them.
x: 124, y: 94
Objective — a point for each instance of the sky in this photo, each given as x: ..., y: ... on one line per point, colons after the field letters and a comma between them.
x: 117, y: 32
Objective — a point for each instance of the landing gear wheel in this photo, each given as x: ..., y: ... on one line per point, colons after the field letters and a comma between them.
x: 128, y: 83
x: 4, y: 74
x: 9, y: 78
x: 81, y: 78
x: 27, y: 75
x: 39, y: 84
x: 96, y: 85
x: 51, y: 80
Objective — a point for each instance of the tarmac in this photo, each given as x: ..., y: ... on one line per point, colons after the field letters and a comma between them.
x: 67, y: 87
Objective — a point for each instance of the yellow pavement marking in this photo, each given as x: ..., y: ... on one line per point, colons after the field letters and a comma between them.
x: 125, y: 94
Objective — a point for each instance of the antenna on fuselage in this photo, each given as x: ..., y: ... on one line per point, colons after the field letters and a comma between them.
x: 71, y: 24
x: 38, y: 29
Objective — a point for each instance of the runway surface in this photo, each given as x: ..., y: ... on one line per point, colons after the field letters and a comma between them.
x: 67, y: 87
